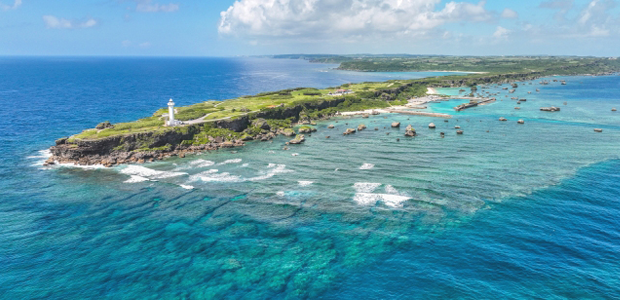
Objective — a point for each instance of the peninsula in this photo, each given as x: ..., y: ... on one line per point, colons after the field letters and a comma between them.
x: 213, y: 125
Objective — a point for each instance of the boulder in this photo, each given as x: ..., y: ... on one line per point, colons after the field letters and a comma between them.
x: 446, y: 121
x: 327, y: 137
x: 361, y: 127
x: 431, y: 125
x: 306, y: 129
x: 457, y: 127
x: 503, y: 119
x: 298, y: 139
x: 331, y: 126
x: 365, y: 116
x: 598, y: 130
x: 517, y: 107
x: 459, y: 132
x: 288, y: 132
x: 395, y: 124
x: 613, y: 109
x: 104, y: 125
x: 521, y: 122
x: 410, y: 131
x: 349, y: 131
x: 261, y: 123
x: 551, y: 109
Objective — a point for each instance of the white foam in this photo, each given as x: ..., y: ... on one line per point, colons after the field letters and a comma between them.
x: 278, y: 169
x: 389, y: 200
x: 365, y: 187
x: 391, y: 190
x: 187, y: 187
x: 295, y: 154
x: 42, y: 154
x: 245, y: 165
x: 305, y: 183
x: 85, y: 167
x: 149, y: 173
x: 280, y: 194
x: 218, y: 177
x: 231, y: 161
x: 367, y: 166
x: 201, y: 163
x: 136, y: 178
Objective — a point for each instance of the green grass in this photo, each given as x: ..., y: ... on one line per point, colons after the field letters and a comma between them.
x: 366, y: 95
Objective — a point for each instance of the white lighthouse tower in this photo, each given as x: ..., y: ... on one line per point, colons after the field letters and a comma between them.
x: 171, y: 121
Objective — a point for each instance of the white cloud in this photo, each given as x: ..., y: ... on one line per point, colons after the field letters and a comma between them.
x: 149, y: 6
x: 61, y: 23
x: 16, y: 4
x: 344, y: 19
x: 509, y: 14
x: 501, y: 32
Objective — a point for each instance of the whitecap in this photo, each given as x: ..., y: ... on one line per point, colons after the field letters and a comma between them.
x: 305, y: 183
x: 366, y: 187
x: 187, y: 187
x: 245, y: 165
x: 280, y: 193
x: 136, y: 178
x: 231, y: 161
x: 388, y: 199
x: 149, y: 173
x: 278, y: 169
x: 201, y: 163
x: 295, y: 154
x: 391, y: 190
x: 218, y: 177
x: 367, y: 166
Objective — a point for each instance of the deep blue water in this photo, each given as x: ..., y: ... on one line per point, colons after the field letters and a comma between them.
x: 506, y: 210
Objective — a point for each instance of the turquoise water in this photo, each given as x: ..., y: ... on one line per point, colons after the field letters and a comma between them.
x: 508, y: 210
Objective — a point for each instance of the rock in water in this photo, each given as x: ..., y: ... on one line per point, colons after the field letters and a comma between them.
x: 298, y: 139
x: 446, y: 121
x: 457, y: 127
x: 431, y: 125
x: 348, y: 131
x: 552, y: 109
x: 331, y: 126
x: 410, y: 131
x: 598, y: 130
x: 517, y: 107
x: 306, y: 129
x: 613, y: 109
x: 459, y: 132
x: 361, y: 127
x: 521, y: 122
x: 395, y: 124
x: 503, y: 119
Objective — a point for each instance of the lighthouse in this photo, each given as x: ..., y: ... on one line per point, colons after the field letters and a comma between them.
x: 171, y: 121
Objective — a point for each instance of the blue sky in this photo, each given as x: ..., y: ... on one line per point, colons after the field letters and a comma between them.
x: 256, y: 27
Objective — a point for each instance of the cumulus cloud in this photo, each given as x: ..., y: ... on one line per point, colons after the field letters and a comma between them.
x: 509, y: 14
x: 335, y: 19
x: 62, y: 23
x: 150, y: 6
x: 16, y: 4
x: 501, y: 32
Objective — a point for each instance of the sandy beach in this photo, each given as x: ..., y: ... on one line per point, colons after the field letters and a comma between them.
x: 415, y: 103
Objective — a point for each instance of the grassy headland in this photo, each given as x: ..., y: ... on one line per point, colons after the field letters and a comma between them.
x: 368, y: 95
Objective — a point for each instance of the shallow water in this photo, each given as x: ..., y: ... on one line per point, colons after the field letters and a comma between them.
x: 506, y: 209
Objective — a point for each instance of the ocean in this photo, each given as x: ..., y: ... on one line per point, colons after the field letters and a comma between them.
x: 504, y: 210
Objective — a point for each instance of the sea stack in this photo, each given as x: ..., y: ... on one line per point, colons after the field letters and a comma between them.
x: 410, y: 131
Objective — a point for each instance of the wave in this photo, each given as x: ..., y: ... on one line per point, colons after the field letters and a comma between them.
x: 150, y: 174
x: 367, y: 166
x: 231, y: 161
x: 305, y: 183
x: 388, y: 199
x: 365, y: 187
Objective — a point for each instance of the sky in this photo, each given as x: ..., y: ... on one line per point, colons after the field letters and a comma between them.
x: 265, y: 27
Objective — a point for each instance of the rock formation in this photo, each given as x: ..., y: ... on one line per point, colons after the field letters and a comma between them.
x: 431, y: 125
x: 395, y: 124
x: 410, y: 131
x: 298, y: 139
